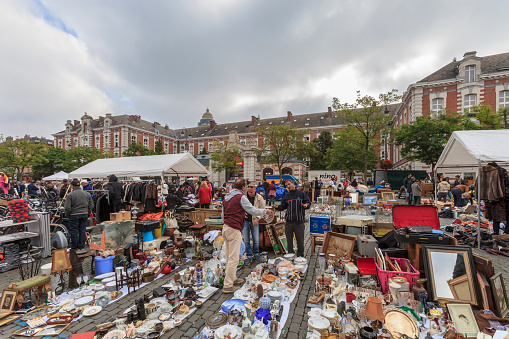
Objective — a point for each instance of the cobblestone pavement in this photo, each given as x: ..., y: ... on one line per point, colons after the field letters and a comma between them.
x: 295, y: 327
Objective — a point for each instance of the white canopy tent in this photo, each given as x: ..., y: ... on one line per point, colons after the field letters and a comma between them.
x: 469, y: 150
x: 183, y: 164
x: 57, y: 176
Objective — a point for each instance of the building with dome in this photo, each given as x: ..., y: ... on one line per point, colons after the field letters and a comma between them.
x: 206, y: 118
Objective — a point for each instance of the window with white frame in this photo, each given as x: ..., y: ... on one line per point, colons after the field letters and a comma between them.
x: 174, y: 149
x: 503, y: 99
x: 470, y: 73
x: 75, y: 142
x: 182, y: 148
x: 133, y: 138
x: 191, y: 148
x: 145, y: 142
x: 106, y: 141
x: 166, y: 147
x: 116, y: 140
x: 470, y: 100
x: 97, y: 141
x: 200, y: 147
x: 85, y: 141
x: 437, y: 105
x: 306, y: 137
x: 210, y: 145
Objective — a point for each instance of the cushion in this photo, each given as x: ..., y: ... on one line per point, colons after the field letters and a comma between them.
x: 29, y: 283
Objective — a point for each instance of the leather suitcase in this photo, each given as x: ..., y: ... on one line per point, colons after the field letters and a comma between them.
x: 366, y: 245
x: 415, y: 217
x: 395, y: 252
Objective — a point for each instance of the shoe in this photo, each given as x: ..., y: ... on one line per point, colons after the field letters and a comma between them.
x: 239, y: 281
x: 257, y: 258
x: 248, y: 261
x: 231, y: 289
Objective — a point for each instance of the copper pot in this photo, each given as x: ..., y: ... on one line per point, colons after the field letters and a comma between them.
x: 178, y: 242
x: 168, y: 250
x: 170, y: 232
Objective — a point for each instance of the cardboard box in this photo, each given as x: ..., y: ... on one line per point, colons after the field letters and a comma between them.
x: 355, y: 220
x: 126, y: 215
x: 116, y: 217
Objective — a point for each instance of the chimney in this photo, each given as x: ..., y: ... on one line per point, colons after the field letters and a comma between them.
x: 469, y: 54
x: 253, y: 120
x: 108, y: 115
x: 329, y: 110
x: 155, y: 124
x: 76, y: 122
x: 212, y: 124
x: 101, y: 119
x: 288, y: 116
x: 166, y: 127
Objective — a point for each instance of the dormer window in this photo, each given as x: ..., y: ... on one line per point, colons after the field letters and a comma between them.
x: 470, y: 73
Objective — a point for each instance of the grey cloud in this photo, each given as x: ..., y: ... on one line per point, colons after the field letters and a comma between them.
x: 168, y: 61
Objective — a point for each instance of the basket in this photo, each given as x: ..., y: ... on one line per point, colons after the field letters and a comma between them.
x: 384, y: 276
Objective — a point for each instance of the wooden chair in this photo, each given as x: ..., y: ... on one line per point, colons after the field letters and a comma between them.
x: 316, y: 239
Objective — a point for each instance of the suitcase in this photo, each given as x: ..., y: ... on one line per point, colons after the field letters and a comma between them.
x: 415, y: 217
x: 395, y: 252
x: 366, y: 245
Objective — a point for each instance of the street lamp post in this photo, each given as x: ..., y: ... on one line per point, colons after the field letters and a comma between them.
x: 386, y: 156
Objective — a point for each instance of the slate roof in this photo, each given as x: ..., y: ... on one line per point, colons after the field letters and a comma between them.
x: 126, y: 119
x: 489, y: 64
x: 309, y: 120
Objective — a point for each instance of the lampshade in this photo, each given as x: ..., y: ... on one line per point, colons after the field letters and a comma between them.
x: 374, y: 309
x: 60, y: 261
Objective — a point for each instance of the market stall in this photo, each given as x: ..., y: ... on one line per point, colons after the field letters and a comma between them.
x: 183, y: 164
x: 469, y: 150
x: 57, y: 176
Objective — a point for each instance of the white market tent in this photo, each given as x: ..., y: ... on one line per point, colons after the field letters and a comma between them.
x: 469, y: 150
x: 183, y: 164
x: 57, y: 176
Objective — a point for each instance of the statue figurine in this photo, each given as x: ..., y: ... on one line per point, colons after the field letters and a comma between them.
x: 187, y: 279
x: 274, y: 326
x: 418, y: 288
x: 198, y: 252
x: 423, y: 295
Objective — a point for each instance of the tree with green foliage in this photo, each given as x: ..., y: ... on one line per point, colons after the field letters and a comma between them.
x: 204, y: 151
x: 504, y: 113
x: 424, y: 139
x: 57, y: 160
x: 224, y: 158
x: 158, y: 147
x: 282, y: 144
x: 322, y: 144
x: 368, y: 116
x: 80, y: 156
x: 18, y: 155
x: 136, y: 149
x: 348, y: 152
x: 481, y: 117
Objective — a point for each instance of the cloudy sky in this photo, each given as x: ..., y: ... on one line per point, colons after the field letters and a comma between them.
x: 170, y: 60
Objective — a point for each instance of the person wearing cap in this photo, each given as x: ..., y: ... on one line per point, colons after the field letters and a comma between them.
x: 85, y: 185
x: 78, y: 206
x: 63, y: 188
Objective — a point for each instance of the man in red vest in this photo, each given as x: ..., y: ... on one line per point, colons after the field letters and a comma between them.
x: 235, y: 207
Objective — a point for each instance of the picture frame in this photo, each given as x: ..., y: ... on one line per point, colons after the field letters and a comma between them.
x: 7, y: 301
x: 459, y: 287
x: 444, y: 264
x: 339, y: 244
x: 485, y: 289
x: 463, y: 319
x: 9, y: 319
x: 51, y: 330
x: 388, y: 196
x: 354, y: 197
x: 499, y: 295
x: 27, y: 331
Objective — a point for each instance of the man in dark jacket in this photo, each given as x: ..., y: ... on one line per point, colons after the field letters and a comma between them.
x: 295, y: 203
x: 115, y: 193
x: 63, y: 189
x: 266, y: 191
x: 409, y: 190
x: 32, y: 189
x: 78, y: 206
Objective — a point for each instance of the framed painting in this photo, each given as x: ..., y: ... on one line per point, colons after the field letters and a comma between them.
x: 9, y: 319
x: 463, y: 318
x: 499, y: 295
x: 8, y: 300
x: 339, y: 244
x: 388, y: 196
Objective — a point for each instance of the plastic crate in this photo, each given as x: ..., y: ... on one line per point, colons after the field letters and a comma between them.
x: 384, y: 276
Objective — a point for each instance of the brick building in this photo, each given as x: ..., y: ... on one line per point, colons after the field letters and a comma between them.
x: 456, y: 86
